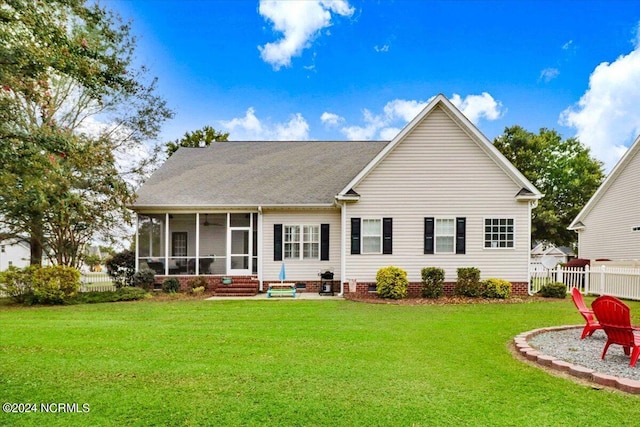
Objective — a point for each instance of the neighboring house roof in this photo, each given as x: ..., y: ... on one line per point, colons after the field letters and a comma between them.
x: 262, y: 173
x: 528, y: 190
x: 578, y: 223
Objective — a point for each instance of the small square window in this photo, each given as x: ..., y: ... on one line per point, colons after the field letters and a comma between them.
x: 499, y: 233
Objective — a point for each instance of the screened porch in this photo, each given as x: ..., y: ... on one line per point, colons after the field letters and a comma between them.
x: 198, y: 243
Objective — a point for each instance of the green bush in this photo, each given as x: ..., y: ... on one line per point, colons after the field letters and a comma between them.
x: 145, y: 278
x: 392, y: 282
x: 123, y: 294
x: 553, y: 290
x: 55, y: 284
x: 121, y: 267
x: 171, y: 284
x: 198, y: 290
x: 468, y: 283
x: 497, y: 288
x: 18, y: 283
x: 197, y: 282
x: 432, y: 282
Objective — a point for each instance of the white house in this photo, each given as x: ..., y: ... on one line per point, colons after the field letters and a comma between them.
x: 608, y: 226
x: 438, y: 194
x: 15, y: 253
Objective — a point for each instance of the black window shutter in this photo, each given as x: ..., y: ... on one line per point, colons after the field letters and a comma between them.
x: 387, y: 236
x: 460, y: 235
x: 277, y: 242
x: 355, y: 236
x: 324, y: 242
x: 428, y: 235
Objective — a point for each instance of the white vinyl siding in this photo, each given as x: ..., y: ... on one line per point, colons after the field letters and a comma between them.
x: 439, y: 171
x: 300, y: 270
x: 445, y: 234
x: 608, y: 232
x: 371, y: 236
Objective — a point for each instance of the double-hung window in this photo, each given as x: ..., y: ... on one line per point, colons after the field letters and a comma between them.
x: 445, y: 235
x: 371, y: 236
x: 301, y: 242
x: 499, y: 233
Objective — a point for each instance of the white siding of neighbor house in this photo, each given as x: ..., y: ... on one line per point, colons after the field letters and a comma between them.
x: 439, y: 171
x: 300, y: 270
x: 13, y: 254
x: 609, y: 225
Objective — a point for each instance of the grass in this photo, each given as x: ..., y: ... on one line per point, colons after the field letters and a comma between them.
x: 193, y: 363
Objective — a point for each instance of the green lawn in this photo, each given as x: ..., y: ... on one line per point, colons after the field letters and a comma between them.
x: 281, y: 363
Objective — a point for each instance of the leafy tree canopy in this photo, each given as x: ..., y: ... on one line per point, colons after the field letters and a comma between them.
x: 563, y: 170
x: 73, y: 109
x: 199, y: 138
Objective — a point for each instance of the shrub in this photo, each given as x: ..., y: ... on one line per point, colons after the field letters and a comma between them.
x: 198, y: 290
x: 468, y: 283
x: 171, y: 284
x: 553, y: 290
x: 55, y: 284
x: 432, y: 281
x: 197, y: 282
x: 123, y: 294
x: 497, y: 288
x: 121, y: 267
x: 18, y: 283
x: 145, y: 278
x: 392, y: 282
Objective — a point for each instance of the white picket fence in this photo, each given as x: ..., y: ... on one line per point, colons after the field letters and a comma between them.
x: 96, y: 282
x: 621, y: 282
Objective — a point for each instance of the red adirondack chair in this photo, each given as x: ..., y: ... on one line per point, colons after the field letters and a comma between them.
x: 592, y: 325
x: 615, y: 318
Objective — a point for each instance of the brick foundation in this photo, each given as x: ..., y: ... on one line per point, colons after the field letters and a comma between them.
x: 214, y: 283
x: 415, y: 288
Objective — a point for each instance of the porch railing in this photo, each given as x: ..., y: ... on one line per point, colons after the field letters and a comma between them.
x: 621, y: 282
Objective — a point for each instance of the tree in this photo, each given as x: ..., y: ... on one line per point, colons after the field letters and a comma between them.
x: 72, y: 107
x: 564, y: 171
x: 199, y: 138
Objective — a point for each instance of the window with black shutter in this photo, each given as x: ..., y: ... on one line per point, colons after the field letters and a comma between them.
x: 429, y: 230
x: 460, y: 235
x: 324, y: 242
x: 387, y: 236
x: 277, y: 242
x: 355, y: 236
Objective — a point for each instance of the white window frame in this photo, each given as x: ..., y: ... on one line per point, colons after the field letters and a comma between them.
x: 300, y: 242
x: 484, y: 233
x: 435, y: 234
x: 363, y: 236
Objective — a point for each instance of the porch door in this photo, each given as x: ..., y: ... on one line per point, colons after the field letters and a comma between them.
x: 239, y: 244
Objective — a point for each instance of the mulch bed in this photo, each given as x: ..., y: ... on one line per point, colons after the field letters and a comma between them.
x: 445, y: 300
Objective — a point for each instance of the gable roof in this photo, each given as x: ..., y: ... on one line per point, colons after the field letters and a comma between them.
x: 527, y: 192
x: 577, y: 223
x: 256, y: 173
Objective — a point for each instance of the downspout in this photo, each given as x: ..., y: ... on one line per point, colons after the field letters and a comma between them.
x: 343, y: 252
x: 259, y: 243
x: 166, y: 244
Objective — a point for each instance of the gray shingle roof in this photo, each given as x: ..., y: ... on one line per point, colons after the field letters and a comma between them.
x: 257, y: 173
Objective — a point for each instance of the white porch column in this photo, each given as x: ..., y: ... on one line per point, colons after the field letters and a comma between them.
x: 135, y: 215
x: 343, y: 246
x: 166, y: 244
x: 197, y: 266
x: 259, y: 243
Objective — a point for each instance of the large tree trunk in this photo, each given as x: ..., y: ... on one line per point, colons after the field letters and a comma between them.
x: 35, y: 242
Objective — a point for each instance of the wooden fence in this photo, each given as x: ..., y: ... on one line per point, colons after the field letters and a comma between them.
x: 621, y: 282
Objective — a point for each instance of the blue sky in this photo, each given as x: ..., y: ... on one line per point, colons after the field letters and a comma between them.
x: 362, y: 69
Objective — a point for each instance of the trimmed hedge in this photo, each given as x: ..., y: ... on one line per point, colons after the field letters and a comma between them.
x: 53, y: 284
x: 432, y: 282
x: 171, y: 285
x: 392, y: 282
x: 496, y: 288
x: 553, y: 290
x: 468, y: 283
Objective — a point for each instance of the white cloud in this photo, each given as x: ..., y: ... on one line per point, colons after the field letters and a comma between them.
x: 250, y: 128
x: 548, y: 74
x: 300, y: 23
x: 607, y: 117
x: 398, y: 112
x: 567, y: 45
x: 476, y: 107
x: 384, y: 48
x: 331, y: 119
